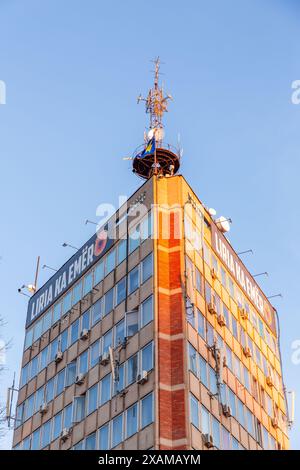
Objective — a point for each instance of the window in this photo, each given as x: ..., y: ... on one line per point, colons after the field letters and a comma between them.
x: 37, y: 330
x: 147, y: 410
x: 47, y: 320
x: 88, y: 283
x: 68, y: 416
x: 90, y: 442
x: 225, y: 439
x: 85, y: 321
x: 103, y: 437
x: 216, y: 432
x: 107, y: 341
x: 232, y: 402
x: 110, y: 262
x: 92, y: 399
x: 94, y: 353
x: 28, y: 338
x: 210, y: 334
x: 119, y: 385
x: 131, y: 421
x: 201, y: 324
x: 119, y: 332
x: 79, y: 446
x: 223, y: 277
x: 105, y: 389
x: 249, y: 422
x: 227, y: 316
x: 77, y: 293
x: 133, y: 280
x: 99, y: 273
x: 71, y: 373
x: 50, y: 390
x: 132, y: 322
x: 108, y: 301
x: 96, y: 312
x: 205, y: 421
x: 132, y: 369
x: 147, y: 311
x: 29, y: 407
x: 121, y: 291
x: 234, y: 328
x: 194, y: 405
x: 60, y: 382
x: 63, y: 341
x: 147, y: 357
x: 241, y: 416
x: 203, y: 371
x: 24, y: 375
x: 35, y: 442
x: 199, y: 285
x: 78, y: 409
x: 34, y: 368
x: 192, y: 359
x: 44, y: 358
x: 57, y: 421
x: 53, y: 349
x: 134, y: 239
x: 39, y: 398
x: 26, y: 443
x: 57, y: 312
x: 212, y: 380
x: 67, y: 302
x: 121, y: 251
x: 75, y: 331
x: 46, y: 433
x: 229, y: 358
x: 19, y: 415
x: 117, y: 430
x: 147, y: 268
x: 83, y: 362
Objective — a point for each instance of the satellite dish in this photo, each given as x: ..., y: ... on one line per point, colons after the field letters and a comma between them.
x: 158, y: 132
x: 223, y: 224
x: 212, y: 212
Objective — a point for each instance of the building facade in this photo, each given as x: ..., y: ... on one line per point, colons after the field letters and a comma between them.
x: 153, y: 336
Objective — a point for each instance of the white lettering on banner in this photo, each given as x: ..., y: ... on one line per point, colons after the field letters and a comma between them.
x: 63, y: 281
x: 240, y: 275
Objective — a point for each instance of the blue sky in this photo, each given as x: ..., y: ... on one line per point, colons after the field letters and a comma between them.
x: 73, y: 70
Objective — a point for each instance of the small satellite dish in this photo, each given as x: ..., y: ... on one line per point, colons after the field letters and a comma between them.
x: 212, y: 212
x: 223, y: 224
x: 158, y: 132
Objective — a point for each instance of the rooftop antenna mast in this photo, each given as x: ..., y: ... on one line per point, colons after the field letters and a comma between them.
x: 156, y: 105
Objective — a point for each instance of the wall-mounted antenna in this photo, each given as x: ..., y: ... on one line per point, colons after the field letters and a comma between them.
x: 9, y: 402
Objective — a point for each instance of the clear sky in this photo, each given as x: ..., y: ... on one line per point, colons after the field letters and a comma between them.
x: 73, y: 70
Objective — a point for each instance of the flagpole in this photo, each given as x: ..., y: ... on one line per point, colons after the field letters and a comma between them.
x: 155, y: 160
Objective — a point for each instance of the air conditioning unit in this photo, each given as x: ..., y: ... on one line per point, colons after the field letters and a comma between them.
x: 275, y: 423
x: 79, y: 379
x: 212, y: 308
x: 142, y: 378
x: 58, y: 356
x: 208, y: 441
x: 221, y: 320
x: 243, y: 313
x: 104, y: 359
x: 214, y: 273
x: 65, y: 434
x: 270, y: 381
x: 226, y: 411
x: 43, y: 408
x: 84, y: 334
x: 247, y: 351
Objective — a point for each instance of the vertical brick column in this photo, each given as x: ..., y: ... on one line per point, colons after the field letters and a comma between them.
x: 171, y: 407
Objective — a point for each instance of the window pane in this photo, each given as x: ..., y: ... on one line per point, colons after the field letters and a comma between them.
x: 194, y: 411
x: 39, y: 398
x: 110, y: 262
x: 53, y: 349
x: 57, y: 421
x: 79, y: 409
x: 147, y: 411
x: 77, y: 293
x: 147, y: 311
x: 68, y: 416
x: 85, y: 321
x: 203, y: 371
x: 103, y: 437
x: 35, y: 442
x: 204, y: 420
x: 92, y: 398
x: 109, y: 301
x: 147, y: 268
x: 107, y: 341
x: 99, y: 273
x: 134, y: 239
x: 120, y: 332
x: 50, y: 390
x: 60, y: 384
x: 133, y: 280
x: 201, y: 325
x: 88, y: 283
x: 105, y: 389
x: 67, y: 302
x: 117, y: 430
x: 46, y: 433
x: 121, y: 291
x: 132, y: 322
x: 64, y: 340
x: 96, y: 312
x: 192, y: 359
x: 216, y: 432
x: 131, y: 421
x: 90, y: 442
x: 57, y: 312
x: 47, y: 320
x: 147, y: 357
x: 95, y: 353
x: 74, y: 331
x: 83, y: 362
x: 34, y: 367
x: 121, y: 251
x: 132, y: 369
x: 71, y: 373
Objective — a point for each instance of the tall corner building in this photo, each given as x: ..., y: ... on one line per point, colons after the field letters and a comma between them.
x: 154, y: 335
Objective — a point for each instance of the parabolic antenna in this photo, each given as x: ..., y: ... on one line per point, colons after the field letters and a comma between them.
x: 212, y: 212
x: 223, y: 224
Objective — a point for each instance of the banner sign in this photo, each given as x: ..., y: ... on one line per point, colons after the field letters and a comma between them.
x: 68, y: 274
x: 242, y: 276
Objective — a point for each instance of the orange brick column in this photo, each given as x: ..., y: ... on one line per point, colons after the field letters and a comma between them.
x: 171, y: 407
